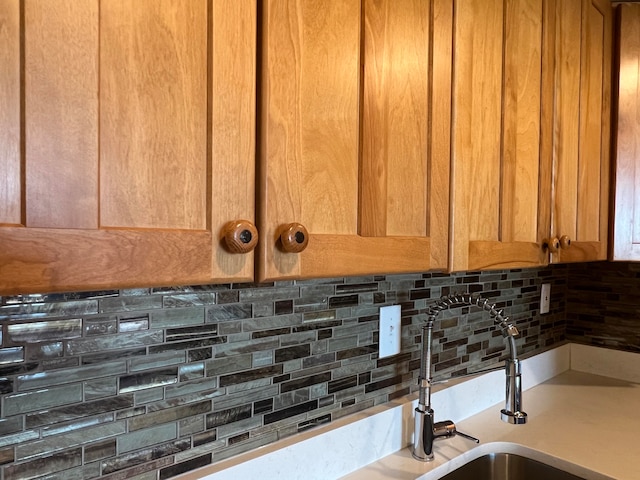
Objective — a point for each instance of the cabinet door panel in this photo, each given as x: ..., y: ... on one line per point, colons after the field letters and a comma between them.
x: 309, y: 150
x: 405, y: 127
x: 521, y: 120
x: 567, y: 122
x: 496, y: 134
x: 395, y: 125
x: 173, y: 111
x: 10, y: 179
x: 61, y: 113
x: 581, y: 143
x: 477, y: 99
x: 153, y: 67
x: 626, y: 225
x: 311, y: 139
x: 344, y: 154
x: 591, y: 144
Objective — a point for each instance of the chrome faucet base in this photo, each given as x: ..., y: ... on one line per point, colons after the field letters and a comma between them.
x: 422, y: 450
x: 514, y: 418
x: 426, y: 432
x: 421, y: 459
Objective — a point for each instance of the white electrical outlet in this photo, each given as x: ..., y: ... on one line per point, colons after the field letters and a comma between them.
x: 390, y: 331
x: 545, y: 297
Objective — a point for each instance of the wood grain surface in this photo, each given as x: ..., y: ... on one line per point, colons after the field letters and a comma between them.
x: 10, y: 94
x: 139, y: 145
x: 153, y: 114
x: 61, y: 113
x: 626, y: 211
x: 346, y: 129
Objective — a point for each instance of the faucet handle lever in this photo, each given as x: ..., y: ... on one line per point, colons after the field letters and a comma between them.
x: 468, y: 437
x: 447, y: 429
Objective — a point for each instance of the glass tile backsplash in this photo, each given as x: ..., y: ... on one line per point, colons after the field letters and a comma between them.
x: 151, y: 383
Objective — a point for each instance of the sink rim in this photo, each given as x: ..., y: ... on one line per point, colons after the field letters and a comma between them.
x: 514, y: 448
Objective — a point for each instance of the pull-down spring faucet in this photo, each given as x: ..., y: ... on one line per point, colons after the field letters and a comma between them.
x: 426, y: 430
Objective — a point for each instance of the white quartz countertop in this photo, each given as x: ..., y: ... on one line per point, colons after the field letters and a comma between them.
x: 583, y: 406
x: 588, y: 420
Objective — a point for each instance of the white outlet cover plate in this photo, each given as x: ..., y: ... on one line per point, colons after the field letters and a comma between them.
x: 390, y: 331
x: 545, y: 298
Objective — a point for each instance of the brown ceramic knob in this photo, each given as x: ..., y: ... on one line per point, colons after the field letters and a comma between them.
x: 551, y: 244
x: 294, y: 238
x: 240, y: 236
x: 565, y: 242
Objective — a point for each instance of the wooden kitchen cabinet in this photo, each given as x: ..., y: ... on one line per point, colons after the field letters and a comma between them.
x: 530, y: 132
x: 354, y: 137
x: 394, y: 136
x: 626, y: 203
x: 496, y: 134
x: 128, y: 142
x: 581, y: 129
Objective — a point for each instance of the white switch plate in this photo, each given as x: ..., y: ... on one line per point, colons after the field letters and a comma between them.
x: 390, y: 331
x: 545, y: 297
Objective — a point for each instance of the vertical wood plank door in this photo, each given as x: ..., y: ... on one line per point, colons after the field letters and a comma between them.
x: 129, y: 111
x: 580, y: 187
x: 496, y: 134
x: 626, y: 211
x: 348, y: 146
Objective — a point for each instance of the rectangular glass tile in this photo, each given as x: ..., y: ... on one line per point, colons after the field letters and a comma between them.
x: 42, y: 331
x: 33, y: 311
x: 11, y: 355
x: 42, y: 399
x: 177, y: 317
x: 141, y: 381
x: 145, y: 438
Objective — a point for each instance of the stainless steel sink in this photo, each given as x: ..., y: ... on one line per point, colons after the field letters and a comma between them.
x: 508, y: 466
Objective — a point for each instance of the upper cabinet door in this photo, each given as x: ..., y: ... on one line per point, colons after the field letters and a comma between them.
x: 354, y: 137
x: 581, y: 130
x: 496, y: 134
x: 136, y: 142
x: 626, y: 221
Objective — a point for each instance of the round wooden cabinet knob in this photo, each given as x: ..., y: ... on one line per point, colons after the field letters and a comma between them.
x: 240, y: 236
x: 551, y: 244
x: 565, y: 242
x: 294, y: 238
